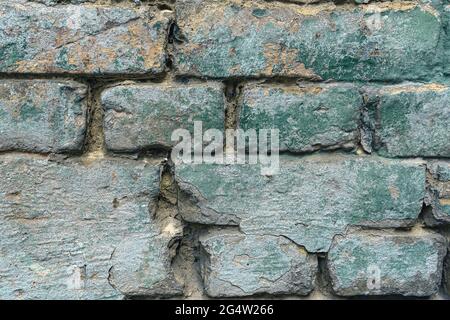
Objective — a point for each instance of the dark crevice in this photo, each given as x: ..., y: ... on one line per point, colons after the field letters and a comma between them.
x: 164, y: 6
x: 186, y: 258
x: 231, y: 92
x: 169, y: 62
x: 153, y: 151
x: 323, y: 279
x: 294, y: 80
x: 94, y: 139
x: 175, y: 36
x: 159, y: 77
x: 369, y: 122
x: 426, y: 218
x: 82, y: 77
x: 188, y: 262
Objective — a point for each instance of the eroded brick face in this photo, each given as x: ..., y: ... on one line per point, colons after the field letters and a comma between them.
x: 43, y: 116
x: 258, y: 38
x: 94, y: 93
x: 83, y: 39
x: 144, y: 116
x: 385, y: 264
x: 77, y: 231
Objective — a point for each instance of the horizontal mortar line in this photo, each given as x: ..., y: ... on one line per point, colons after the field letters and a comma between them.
x: 321, y: 2
x: 142, y: 157
x: 324, y: 152
x: 68, y: 158
x: 169, y: 77
x: 81, y: 76
x: 129, y: 4
x: 300, y: 80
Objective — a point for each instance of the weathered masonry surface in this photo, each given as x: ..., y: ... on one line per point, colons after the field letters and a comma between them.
x: 92, y: 90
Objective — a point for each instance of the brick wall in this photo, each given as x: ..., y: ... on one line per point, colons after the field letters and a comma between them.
x: 91, y: 207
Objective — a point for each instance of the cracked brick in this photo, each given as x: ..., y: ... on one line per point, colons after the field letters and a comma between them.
x: 310, y: 200
x: 240, y: 265
x: 83, y: 39
x: 77, y: 230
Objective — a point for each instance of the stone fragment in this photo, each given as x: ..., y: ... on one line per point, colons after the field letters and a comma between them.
x: 438, y: 193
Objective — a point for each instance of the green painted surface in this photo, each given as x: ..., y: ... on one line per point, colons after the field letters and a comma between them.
x: 77, y: 231
x: 240, y: 265
x: 84, y: 39
x: 144, y: 116
x: 234, y: 38
x: 310, y: 200
x: 309, y: 118
x: 42, y: 115
x: 411, y: 120
x: 377, y: 263
x: 438, y: 192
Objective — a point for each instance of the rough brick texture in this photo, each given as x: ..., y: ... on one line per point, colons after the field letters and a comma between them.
x: 374, y: 263
x: 81, y: 231
x: 144, y: 116
x: 42, y: 116
x: 409, y: 120
x: 239, y: 265
x: 97, y: 203
x: 309, y: 201
x: 257, y: 38
x: 446, y: 21
x: 309, y: 118
x: 82, y: 39
x: 438, y: 193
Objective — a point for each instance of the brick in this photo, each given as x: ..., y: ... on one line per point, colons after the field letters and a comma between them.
x: 310, y: 200
x: 140, y: 116
x: 238, y: 38
x: 83, y: 39
x: 240, y: 265
x: 78, y: 230
x: 378, y: 263
x: 42, y: 115
x: 308, y: 118
x: 409, y: 120
x: 438, y: 193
